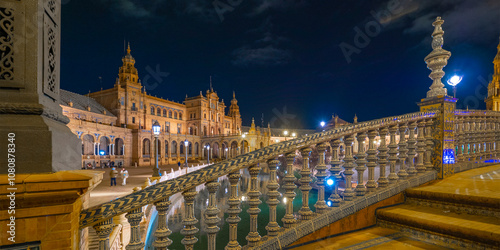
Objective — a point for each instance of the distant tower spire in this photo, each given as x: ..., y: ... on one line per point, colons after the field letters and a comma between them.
x: 128, y: 48
x: 355, y: 118
x: 211, y: 89
x: 493, y: 100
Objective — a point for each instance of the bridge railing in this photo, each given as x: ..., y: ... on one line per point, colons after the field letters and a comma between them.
x: 408, y: 160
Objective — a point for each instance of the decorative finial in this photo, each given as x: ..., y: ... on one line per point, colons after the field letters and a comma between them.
x: 211, y: 89
x: 355, y: 118
x: 437, y: 60
x: 234, y: 95
x: 128, y: 48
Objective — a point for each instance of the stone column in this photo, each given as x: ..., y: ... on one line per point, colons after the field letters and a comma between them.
x: 383, y: 158
x: 189, y: 221
x: 289, y: 220
x: 335, y: 170
x: 411, y: 149
x: 348, y: 166
x: 272, y: 187
x: 134, y: 217
x: 103, y: 230
x: 305, y: 212
x: 321, y: 175
x: 420, y: 147
x: 253, y: 236
x: 162, y: 232
x: 429, y: 145
x: 393, y: 154
x: 361, y: 164
x: 371, y: 185
x: 402, y: 151
x: 233, y: 211
x: 211, y: 218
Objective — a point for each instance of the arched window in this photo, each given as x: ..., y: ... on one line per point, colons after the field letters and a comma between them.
x: 88, y: 145
x: 205, y: 130
x: 196, y: 149
x: 175, y: 115
x: 205, y: 116
x: 104, y: 145
x: 170, y: 114
x: 180, y: 116
x: 164, y: 113
x: 119, y: 146
x: 158, y: 112
x: 166, y: 148
x: 152, y: 110
x: 181, y: 149
x: 190, y: 149
x: 146, y: 147
x: 174, y: 148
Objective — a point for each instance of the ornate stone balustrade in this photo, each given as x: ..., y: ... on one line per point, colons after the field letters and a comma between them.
x: 412, y: 154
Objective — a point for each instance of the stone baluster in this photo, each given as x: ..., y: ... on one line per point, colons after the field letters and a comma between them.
x: 253, y: 236
x: 272, y: 187
x: 321, y: 175
x: 393, y: 154
x: 189, y: 221
x: 371, y: 185
x: 459, y: 141
x: 429, y: 145
x: 335, y: 170
x: 134, y: 217
x: 412, y: 146
x: 361, y: 164
x: 420, y: 167
x: 305, y: 212
x: 211, y: 218
x: 402, y: 151
x: 475, y: 151
x: 467, y: 138
x: 382, y: 158
x: 348, y: 166
x: 103, y: 230
x: 289, y: 220
x: 162, y: 232
x: 233, y: 211
x: 488, y: 137
x: 497, y: 137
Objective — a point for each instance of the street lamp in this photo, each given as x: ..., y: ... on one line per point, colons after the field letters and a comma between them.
x: 186, y: 143
x: 285, y: 133
x: 208, y: 153
x: 293, y: 134
x: 156, y: 132
x: 322, y: 124
x: 454, y: 81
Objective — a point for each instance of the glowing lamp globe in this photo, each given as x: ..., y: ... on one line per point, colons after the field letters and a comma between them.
x: 322, y: 124
x: 329, y: 182
x: 156, y: 128
x: 454, y: 80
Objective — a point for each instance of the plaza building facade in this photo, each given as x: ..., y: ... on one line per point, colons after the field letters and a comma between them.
x: 493, y: 99
x: 115, y: 125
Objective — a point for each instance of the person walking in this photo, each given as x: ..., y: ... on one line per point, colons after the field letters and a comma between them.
x: 113, y: 174
x: 124, y: 176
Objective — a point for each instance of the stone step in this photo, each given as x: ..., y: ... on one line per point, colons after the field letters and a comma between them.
x: 471, y: 199
x: 443, y: 227
x: 93, y: 239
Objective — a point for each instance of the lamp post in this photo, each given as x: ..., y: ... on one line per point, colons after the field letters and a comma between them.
x: 156, y: 132
x: 186, y: 143
x: 227, y: 153
x: 208, y: 154
x: 285, y: 133
x: 454, y: 81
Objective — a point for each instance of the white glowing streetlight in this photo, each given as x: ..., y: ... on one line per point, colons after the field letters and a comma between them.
x: 322, y: 124
x: 186, y: 143
x: 454, y: 81
x: 285, y: 133
x: 156, y: 131
x: 293, y: 134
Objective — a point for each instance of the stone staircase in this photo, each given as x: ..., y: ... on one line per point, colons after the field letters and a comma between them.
x: 446, y: 219
x: 93, y: 239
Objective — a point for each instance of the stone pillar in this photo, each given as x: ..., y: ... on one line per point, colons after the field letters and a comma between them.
x: 335, y: 169
x: 134, y: 217
x: 29, y: 89
x: 420, y: 147
x: 189, y: 221
x: 211, y: 218
x: 348, y: 166
x: 289, y: 220
x: 383, y: 158
x: 253, y: 236
x: 272, y: 187
x: 459, y: 135
x: 402, y: 151
x: 103, y: 230
x: 429, y: 145
x: 233, y: 211
x: 361, y: 164
x: 321, y: 175
x: 393, y: 154
x: 412, y: 146
x: 305, y: 212
x: 371, y: 185
x: 162, y: 232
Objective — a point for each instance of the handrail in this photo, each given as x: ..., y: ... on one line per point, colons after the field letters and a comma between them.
x: 149, y: 195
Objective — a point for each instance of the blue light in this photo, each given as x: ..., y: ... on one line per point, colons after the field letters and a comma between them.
x: 102, y: 152
x: 329, y: 182
x: 329, y: 203
x: 448, y: 156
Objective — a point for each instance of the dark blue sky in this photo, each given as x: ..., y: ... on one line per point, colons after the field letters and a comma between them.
x: 282, y: 57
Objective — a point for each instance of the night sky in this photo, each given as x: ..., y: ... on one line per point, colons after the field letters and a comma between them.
x: 282, y: 57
